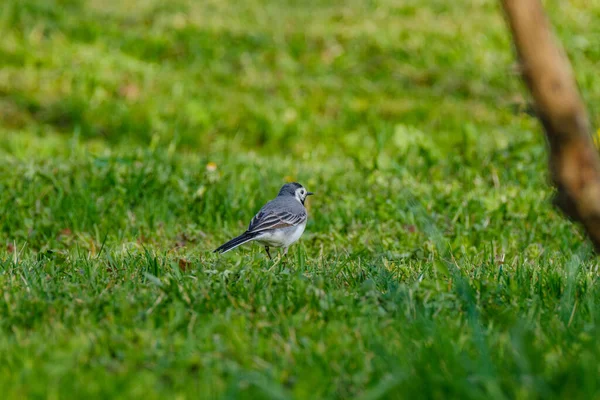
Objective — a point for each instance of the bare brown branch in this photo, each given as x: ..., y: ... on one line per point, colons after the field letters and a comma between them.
x: 574, y: 161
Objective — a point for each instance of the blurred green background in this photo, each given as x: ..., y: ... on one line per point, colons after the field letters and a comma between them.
x: 276, y: 76
x: 138, y: 135
x: 286, y: 76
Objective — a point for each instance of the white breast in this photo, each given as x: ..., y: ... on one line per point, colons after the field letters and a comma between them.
x: 282, y: 237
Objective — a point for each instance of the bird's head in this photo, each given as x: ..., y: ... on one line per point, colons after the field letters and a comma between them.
x: 296, y: 190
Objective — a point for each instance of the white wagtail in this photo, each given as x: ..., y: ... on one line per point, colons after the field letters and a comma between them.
x: 278, y: 224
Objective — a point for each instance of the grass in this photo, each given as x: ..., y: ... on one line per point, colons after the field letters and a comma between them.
x: 433, y: 264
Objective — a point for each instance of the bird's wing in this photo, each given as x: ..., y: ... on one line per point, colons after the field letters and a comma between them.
x: 272, y: 219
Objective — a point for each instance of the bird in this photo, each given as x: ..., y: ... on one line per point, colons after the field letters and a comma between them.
x: 279, y: 223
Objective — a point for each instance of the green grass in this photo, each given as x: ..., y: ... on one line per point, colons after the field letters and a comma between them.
x: 433, y: 264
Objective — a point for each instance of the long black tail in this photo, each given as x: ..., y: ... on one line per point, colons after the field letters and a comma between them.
x: 235, y: 242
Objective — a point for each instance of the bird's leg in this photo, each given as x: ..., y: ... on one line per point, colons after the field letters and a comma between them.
x: 285, y: 251
x: 269, y: 254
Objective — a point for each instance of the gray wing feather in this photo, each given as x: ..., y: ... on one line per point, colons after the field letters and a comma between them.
x: 274, y: 215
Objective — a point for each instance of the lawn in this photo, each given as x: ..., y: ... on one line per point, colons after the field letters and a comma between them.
x: 136, y: 136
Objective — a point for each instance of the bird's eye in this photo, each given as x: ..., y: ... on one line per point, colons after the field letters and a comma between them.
x: 302, y: 192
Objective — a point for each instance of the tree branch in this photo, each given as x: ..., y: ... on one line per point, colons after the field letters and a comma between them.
x: 574, y: 161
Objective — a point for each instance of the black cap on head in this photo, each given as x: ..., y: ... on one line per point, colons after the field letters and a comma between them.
x: 290, y: 188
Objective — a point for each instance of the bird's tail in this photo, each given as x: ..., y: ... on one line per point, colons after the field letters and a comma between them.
x: 235, y: 242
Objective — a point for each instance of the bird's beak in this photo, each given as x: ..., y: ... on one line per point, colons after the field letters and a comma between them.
x: 309, y: 193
